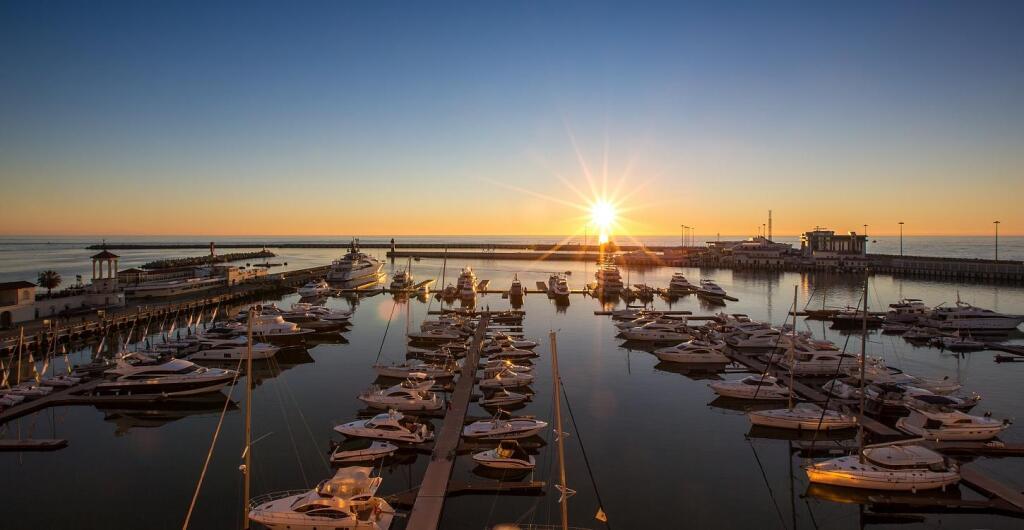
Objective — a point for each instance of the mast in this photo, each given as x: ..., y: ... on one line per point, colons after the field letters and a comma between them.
x: 792, y: 350
x: 248, y: 421
x: 863, y: 358
x: 21, y: 339
x: 563, y: 501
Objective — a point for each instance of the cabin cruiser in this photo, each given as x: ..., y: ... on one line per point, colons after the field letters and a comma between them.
x: 710, y: 289
x: 558, y: 286
x: 609, y: 281
x: 355, y: 267
x: 895, y: 327
x: 508, y: 455
x: 235, y: 350
x: 507, y: 378
x: 516, y: 290
x: 890, y: 399
x: 691, y: 352
x: 501, y: 339
x: 314, y: 288
x: 275, y: 327
x: 174, y: 377
x: 803, y: 417
x: 467, y: 283
x: 660, y: 322
x: 450, y: 292
x: 503, y: 398
x: 10, y: 400
x: 512, y: 354
x: 959, y: 343
x: 759, y: 339
x: 922, y: 334
x: 892, y: 467
x: 806, y: 360
x: 345, y: 501
x: 679, y: 284
x: 950, y: 425
x: 29, y: 390
x: 435, y: 335
x: 415, y: 369
x: 965, y: 317
x: 391, y: 425
x: 361, y: 450
x: 401, y: 398
x: 494, y: 367
x: 907, y: 310
x: 655, y: 334
x: 402, y: 280
x: 755, y: 387
x: 876, y: 371
x: 321, y: 312
x: 60, y: 381
x: 503, y: 429
x: 852, y: 317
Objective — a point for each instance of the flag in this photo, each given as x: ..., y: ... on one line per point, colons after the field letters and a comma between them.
x: 601, y: 516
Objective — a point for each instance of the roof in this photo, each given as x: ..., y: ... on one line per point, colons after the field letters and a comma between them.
x: 106, y: 254
x: 7, y: 286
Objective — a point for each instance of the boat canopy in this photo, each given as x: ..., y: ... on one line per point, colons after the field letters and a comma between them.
x: 898, y: 456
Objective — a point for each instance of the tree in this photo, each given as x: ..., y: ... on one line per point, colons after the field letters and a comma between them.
x: 49, y: 279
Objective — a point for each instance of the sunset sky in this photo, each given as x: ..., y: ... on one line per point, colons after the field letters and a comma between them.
x: 410, y: 118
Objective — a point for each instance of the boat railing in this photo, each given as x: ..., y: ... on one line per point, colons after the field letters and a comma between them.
x: 273, y: 496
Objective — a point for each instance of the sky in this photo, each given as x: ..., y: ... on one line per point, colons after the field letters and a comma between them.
x: 377, y: 118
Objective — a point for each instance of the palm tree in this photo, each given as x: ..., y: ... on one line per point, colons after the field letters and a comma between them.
x: 49, y: 279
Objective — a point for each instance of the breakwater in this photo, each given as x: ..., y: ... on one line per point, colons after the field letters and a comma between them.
x: 193, y: 261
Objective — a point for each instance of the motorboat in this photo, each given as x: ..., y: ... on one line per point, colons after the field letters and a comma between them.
x: 401, y: 398
x: 467, y: 283
x: 321, y: 312
x: 951, y: 425
x: 754, y: 387
x: 966, y: 317
x: 655, y: 322
x: 609, y: 281
x: 314, y: 288
x: 345, y: 501
x: 361, y: 450
x: 435, y: 335
x: 508, y: 455
x: 415, y: 369
x: 907, y: 310
x: 496, y: 346
x: 679, y: 284
x: 841, y: 389
x: 691, y: 352
x: 803, y: 417
x: 402, y: 280
x: 502, y: 364
x: 275, y: 327
x: 710, y: 289
x: 503, y: 398
x: 10, y: 400
x: 503, y: 429
x: 647, y: 333
x: 876, y: 372
x: 923, y: 334
x: 961, y: 343
x: 174, y: 377
x: 806, y: 360
x: 516, y: 290
x: 520, y: 343
x: 558, y: 287
x: 895, y: 327
x: 507, y: 378
x: 60, y: 381
x: 29, y: 390
x: 891, y: 467
x: 237, y: 350
x: 512, y: 354
x: 759, y: 339
x: 892, y: 399
x: 391, y: 425
x: 355, y: 267
x: 854, y: 318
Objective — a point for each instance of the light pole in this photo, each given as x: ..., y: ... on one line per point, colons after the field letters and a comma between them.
x: 901, y: 238
x: 682, y: 236
x: 997, y: 239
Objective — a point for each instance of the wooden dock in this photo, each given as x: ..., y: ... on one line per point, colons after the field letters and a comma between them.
x: 426, y: 510
x: 991, y: 487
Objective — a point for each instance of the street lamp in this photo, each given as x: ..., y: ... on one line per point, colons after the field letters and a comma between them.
x: 901, y: 238
x: 997, y: 239
x: 682, y: 235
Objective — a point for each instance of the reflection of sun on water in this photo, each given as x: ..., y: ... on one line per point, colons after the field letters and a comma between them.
x: 602, y: 214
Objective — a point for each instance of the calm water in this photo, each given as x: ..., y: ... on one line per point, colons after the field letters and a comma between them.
x: 662, y: 451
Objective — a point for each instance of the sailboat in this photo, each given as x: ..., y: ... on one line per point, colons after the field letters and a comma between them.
x: 893, y: 466
x: 804, y: 416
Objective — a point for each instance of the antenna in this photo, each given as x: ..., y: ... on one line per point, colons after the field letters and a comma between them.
x: 769, y: 225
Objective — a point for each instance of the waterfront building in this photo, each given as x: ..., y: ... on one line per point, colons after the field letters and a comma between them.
x: 826, y: 249
x: 17, y: 303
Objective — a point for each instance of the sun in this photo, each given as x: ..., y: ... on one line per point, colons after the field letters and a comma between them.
x: 602, y: 214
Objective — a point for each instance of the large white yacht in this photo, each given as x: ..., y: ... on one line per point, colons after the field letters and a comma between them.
x: 355, y: 266
x: 558, y: 286
x: 175, y: 377
x: 950, y: 425
x: 345, y: 501
x: 402, y: 398
x: 692, y: 352
x: 907, y: 310
x: 808, y: 360
x: 467, y: 283
x: 391, y: 425
x: 314, y: 288
x: 803, y: 417
x: 888, y: 467
x: 503, y: 429
x: 402, y: 280
x: 679, y: 284
x: 609, y: 281
x: 710, y: 289
x: 233, y: 350
x: 970, y: 318
x: 754, y: 387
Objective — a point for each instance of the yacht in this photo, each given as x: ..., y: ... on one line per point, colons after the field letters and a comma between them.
x: 679, y: 284
x: 512, y: 354
x: 416, y: 369
x: 60, y: 381
x: 467, y: 283
x: 402, y: 280
x: 761, y: 339
x: 965, y: 317
x: 345, y: 501
x: 907, y: 310
x: 755, y: 387
x: 174, y: 377
x: 503, y: 398
x: 803, y: 417
x: 10, y: 400
x: 275, y: 327
x: 889, y: 467
x: 507, y: 378
x: 960, y: 343
x: 892, y: 399
x: 516, y: 290
x: 807, y: 360
x: 237, y: 350
x: 691, y: 352
x: 609, y: 281
x: 503, y: 429
x: 647, y: 333
x: 853, y: 318
x: 355, y: 267
x: 402, y: 398
x: 435, y: 335
x: 710, y: 289
x: 314, y: 288
x: 558, y: 287
x: 950, y: 425
x: 391, y: 425
x: 321, y: 312
x: 508, y: 455
x: 361, y: 450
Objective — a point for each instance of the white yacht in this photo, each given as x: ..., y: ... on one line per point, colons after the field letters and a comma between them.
x: 502, y: 398
x: 402, y: 280
x: 175, y: 377
x: 435, y: 335
x: 467, y: 283
x: 761, y: 339
x: 965, y: 317
x: 516, y: 290
x: 503, y: 429
x: 508, y: 455
x: 321, y: 312
x: 314, y: 288
x: 275, y: 327
x: 609, y: 281
x: 361, y: 450
x: 679, y: 284
x: 508, y: 340
x: 233, y: 352
x: 654, y: 333
x: 907, y: 310
x: 807, y: 360
x: 691, y: 352
x: 558, y: 286
x: 345, y: 501
x: 507, y: 378
x: 961, y: 343
x: 416, y: 369
x: 710, y: 289
x: 512, y: 354
x: 401, y: 398
x: 754, y: 387
x: 803, y: 417
x: 391, y: 425
x: 950, y: 425
x: 889, y: 467
x: 355, y: 267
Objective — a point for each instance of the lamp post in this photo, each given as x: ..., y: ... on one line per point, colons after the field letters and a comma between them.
x: 997, y: 239
x: 901, y: 238
x: 682, y: 235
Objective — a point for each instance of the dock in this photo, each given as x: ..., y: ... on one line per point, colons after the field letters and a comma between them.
x: 426, y: 510
x: 33, y: 444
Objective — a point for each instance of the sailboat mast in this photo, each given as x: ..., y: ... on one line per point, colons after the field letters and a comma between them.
x: 564, y: 500
x: 863, y: 359
x: 248, y: 420
x: 792, y: 350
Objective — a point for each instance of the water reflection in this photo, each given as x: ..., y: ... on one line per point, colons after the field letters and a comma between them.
x: 126, y: 417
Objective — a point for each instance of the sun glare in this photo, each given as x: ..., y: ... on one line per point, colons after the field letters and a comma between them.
x: 602, y: 214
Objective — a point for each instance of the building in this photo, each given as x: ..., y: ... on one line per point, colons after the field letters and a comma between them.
x: 826, y: 249
x: 758, y: 252
x: 17, y: 303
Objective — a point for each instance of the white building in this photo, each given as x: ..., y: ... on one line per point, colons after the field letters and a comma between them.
x: 17, y: 303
